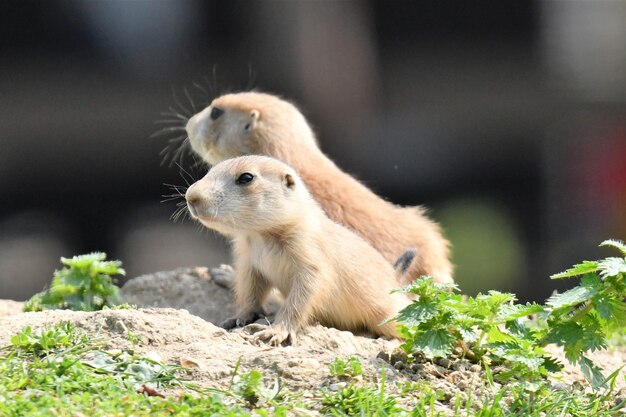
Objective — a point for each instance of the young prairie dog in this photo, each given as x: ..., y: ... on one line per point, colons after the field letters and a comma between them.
x: 282, y: 239
x: 255, y: 123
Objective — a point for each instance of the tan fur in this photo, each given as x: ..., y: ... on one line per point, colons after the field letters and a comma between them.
x: 282, y: 239
x: 257, y: 123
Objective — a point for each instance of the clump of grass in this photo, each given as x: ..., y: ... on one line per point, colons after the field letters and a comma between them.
x: 356, y: 400
x: 350, y: 368
x: 84, y: 284
x: 62, y: 371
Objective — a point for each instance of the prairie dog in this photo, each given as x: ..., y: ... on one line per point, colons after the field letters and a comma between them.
x: 282, y: 239
x: 256, y: 123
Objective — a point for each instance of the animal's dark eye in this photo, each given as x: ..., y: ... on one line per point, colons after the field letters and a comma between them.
x: 245, y: 178
x: 216, y: 112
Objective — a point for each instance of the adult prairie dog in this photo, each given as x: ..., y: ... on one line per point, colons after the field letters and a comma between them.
x: 282, y: 239
x: 255, y: 123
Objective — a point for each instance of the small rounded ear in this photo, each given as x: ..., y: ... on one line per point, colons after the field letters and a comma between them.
x: 254, y: 118
x: 290, y: 181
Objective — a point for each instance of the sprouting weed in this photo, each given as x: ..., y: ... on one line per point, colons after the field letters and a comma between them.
x: 492, y: 328
x: 84, y: 284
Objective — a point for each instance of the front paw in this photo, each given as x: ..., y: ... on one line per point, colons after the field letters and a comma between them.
x: 276, y: 335
x: 239, y: 321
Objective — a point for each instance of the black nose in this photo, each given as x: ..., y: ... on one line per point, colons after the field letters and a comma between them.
x: 216, y: 112
x: 192, y: 202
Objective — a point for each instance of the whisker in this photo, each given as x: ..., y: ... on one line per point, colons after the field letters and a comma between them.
x: 174, y: 187
x: 163, y: 121
x: 193, y: 106
x: 176, y: 214
x: 173, y: 113
x: 184, y: 171
x: 175, y: 150
x: 212, y: 84
x: 166, y: 130
x: 180, y: 138
x: 179, y: 153
x: 179, y: 103
x: 170, y: 197
x: 178, y: 194
x: 199, y: 164
x: 251, y: 78
x: 199, y: 87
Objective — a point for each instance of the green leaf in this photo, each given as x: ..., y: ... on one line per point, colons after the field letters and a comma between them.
x: 590, y: 285
x: 468, y: 334
x: 84, y: 261
x: 604, y: 308
x: 618, y: 314
x: 612, y: 266
x: 573, y: 351
x: 510, y: 312
x: 565, y: 333
x: 593, y: 374
x: 417, y: 312
x: 424, y: 286
x: 496, y: 298
x: 495, y: 335
x: 593, y: 336
x: 618, y: 244
x: 519, y: 328
x: 526, y: 359
x: 580, y: 269
x: 552, y: 364
x: 435, y: 343
x: 102, y: 362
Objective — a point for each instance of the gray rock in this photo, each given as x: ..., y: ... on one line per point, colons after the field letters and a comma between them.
x: 193, y: 289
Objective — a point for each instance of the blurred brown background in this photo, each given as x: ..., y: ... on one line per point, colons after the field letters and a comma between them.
x: 506, y: 118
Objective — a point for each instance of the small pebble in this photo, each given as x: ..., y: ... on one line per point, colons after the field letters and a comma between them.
x: 337, y: 386
x: 445, y: 362
x: 154, y: 356
x: 441, y: 370
x: 460, y: 366
x: 310, y: 363
x: 417, y: 367
x: 561, y: 386
x: 475, y: 368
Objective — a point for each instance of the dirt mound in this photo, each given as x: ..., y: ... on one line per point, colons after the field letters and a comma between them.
x: 9, y: 307
x: 179, y: 336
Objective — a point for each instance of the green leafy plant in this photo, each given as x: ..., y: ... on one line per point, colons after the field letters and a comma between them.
x: 350, y: 368
x: 250, y: 387
x: 84, y: 284
x: 354, y: 400
x: 492, y: 328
